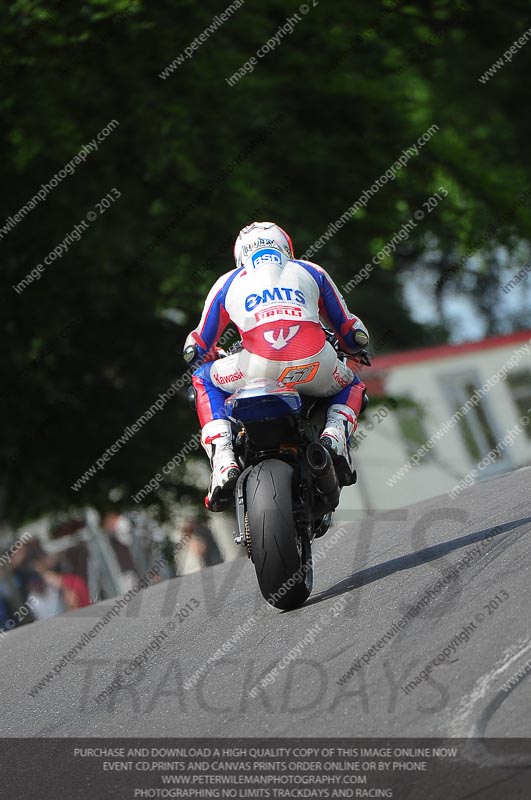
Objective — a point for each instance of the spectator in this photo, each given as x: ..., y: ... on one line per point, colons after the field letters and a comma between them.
x: 201, y: 543
x: 119, y: 529
x: 23, y: 571
x: 46, y: 594
x: 55, y: 580
x: 75, y: 591
x: 6, y: 610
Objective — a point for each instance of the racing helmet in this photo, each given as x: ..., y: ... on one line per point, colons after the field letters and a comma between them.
x: 260, y: 236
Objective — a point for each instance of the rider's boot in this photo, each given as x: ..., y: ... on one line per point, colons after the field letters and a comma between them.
x: 341, y: 422
x: 216, y: 438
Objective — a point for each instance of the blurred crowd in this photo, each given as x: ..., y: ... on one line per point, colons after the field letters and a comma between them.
x: 81, y: 565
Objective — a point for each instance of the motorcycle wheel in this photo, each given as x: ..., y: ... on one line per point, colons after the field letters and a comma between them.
x: 282, y: 558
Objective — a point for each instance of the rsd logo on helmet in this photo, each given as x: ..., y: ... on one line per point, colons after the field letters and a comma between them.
x: 268, y: 256
x: 250, y: 247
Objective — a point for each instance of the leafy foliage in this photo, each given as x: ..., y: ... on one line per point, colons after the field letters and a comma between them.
x: 297, y: 140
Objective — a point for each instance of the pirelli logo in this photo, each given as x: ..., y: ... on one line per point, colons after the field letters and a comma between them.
x: 276, y: 311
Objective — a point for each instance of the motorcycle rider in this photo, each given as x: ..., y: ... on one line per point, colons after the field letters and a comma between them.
x: 276, y: 302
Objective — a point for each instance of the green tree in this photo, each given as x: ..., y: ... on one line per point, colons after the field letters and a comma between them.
x: 325, y: 113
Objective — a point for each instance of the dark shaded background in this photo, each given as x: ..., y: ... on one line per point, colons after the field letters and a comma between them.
x: 90, y: 345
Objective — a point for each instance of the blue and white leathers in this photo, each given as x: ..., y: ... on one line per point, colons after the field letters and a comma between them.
x: 277, y: 304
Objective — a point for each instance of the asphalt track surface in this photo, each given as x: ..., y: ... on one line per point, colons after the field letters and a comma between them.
x: 372, y: 572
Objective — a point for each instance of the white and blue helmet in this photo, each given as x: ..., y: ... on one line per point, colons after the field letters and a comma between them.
x: 261, y: 236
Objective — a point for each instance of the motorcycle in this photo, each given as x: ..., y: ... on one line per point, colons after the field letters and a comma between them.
x: 289, y: 485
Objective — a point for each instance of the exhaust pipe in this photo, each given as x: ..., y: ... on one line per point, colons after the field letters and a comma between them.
x: 322, y: 468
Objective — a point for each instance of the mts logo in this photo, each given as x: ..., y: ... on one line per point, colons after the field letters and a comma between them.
x: 271, y: 295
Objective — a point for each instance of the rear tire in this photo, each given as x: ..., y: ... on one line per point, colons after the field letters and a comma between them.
x: 283, y: 560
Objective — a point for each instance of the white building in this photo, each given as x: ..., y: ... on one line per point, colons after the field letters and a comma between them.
x: 469, y: 409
